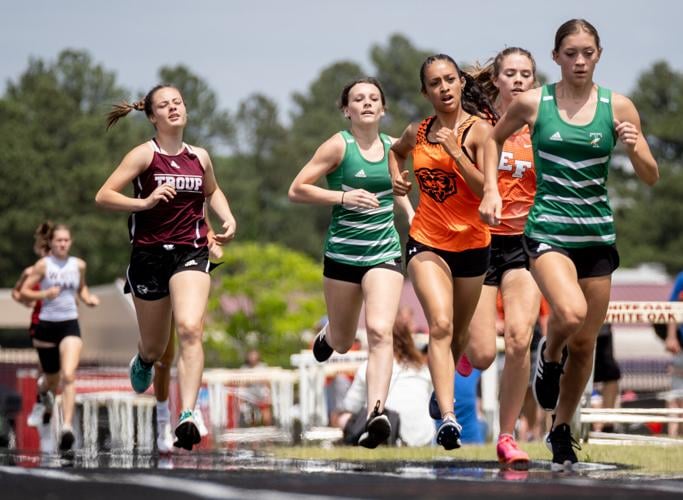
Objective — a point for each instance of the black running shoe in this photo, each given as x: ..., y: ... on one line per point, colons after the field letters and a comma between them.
x: 48, y: 399
x: 448, y: 434
x: 187, y: 432
x: 377, y: 429
x: 563, y: 444
x: 321, y: 349
x: 546, y: 385
x: 66, y: 442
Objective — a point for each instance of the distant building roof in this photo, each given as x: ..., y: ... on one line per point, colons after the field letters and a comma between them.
x: 109, y: 331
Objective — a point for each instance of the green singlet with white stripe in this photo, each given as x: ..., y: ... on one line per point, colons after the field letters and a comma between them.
x: 571, y: 207
x: 358, y: 236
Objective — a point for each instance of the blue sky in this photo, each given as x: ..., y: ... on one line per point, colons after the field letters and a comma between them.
x: 279, y: 47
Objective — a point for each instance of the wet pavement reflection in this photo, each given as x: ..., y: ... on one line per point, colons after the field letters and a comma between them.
x: 248, y: 469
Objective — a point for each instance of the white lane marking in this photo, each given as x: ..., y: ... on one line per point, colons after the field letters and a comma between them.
x: 193, y: 487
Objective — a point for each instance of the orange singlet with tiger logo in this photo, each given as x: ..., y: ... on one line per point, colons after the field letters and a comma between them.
x: 516, y: 183
x: 447, y: 214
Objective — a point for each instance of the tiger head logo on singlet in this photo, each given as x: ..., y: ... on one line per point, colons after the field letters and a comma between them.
x: 437, y: 183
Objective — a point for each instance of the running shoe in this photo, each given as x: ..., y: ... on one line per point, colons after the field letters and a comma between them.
x: 164, y: 436
x: 199, y: 422
x: 434, y: 410
x: 41, y: 413
x: 140, y: 375
x: 187, y: 433
x: 321, y: 349
x: 35, y: 418
x: 48, y: 400
x: 66, y: 441
x: 377, y: 429
x: 546, y: 386
x: 448, y: 434
x: 563, y: 445
x: 509, y: 453
x: 464, y: 367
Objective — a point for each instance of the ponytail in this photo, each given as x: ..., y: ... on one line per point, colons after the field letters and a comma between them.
x: 118, y: 111
x: 475, y: 101
x: 42, y: 236
x: 145, y: 104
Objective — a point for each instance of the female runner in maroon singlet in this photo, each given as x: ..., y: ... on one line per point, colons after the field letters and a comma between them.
x: 168, y: 271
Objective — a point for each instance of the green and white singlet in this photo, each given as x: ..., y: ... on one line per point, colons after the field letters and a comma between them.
x: 571, y: 207
x: 359, y: 236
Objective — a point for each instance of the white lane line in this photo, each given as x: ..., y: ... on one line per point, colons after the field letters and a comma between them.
x: 202, y: 489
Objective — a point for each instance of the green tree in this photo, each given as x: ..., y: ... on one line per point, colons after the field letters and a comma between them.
x: 207, y: 125
x: 398, y: 64
x: 257, y: 168
x: 263, y: 296
x: 648, y: 218
x: 659, y: 99
x: 54, y: 155
x: 276, y: 155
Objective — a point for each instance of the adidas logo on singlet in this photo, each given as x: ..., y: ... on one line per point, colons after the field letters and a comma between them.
x: 556, y: 137
x: 174, y: 164
x: 361, y: 173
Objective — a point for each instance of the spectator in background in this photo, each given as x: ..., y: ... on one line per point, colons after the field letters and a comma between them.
x: 674, y: 344
x: 607, y: 373
x: 409, y: 389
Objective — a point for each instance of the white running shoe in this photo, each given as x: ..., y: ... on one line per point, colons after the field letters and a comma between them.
x: 199, y: 421
x: 164, y: 436
x: 35, y: 418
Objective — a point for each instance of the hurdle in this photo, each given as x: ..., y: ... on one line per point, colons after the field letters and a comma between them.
x: 223, y: 386
x: 629, y: 312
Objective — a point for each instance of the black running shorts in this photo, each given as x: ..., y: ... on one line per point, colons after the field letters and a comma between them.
x: 465, y: 264
x: 354, y: 274
x: 590, y: 262
x: 507, y: 252
x: 151, y: 268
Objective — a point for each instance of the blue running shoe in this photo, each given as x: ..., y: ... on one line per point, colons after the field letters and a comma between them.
x: 140, y: 375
